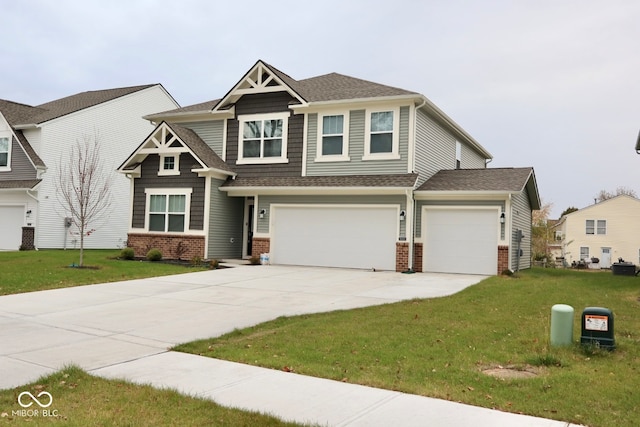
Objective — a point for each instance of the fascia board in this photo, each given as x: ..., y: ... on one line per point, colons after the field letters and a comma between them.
x: 312, y: 107
x: 461, y: 195
x: 316, y: 191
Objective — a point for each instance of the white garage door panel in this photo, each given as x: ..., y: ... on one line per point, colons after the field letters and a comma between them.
x: 11, y: 222
x: 354, y: 237
x: 461, y: 241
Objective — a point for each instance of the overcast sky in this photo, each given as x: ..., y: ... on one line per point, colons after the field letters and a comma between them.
x: 552, y: 84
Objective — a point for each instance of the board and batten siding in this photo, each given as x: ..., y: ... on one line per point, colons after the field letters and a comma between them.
x: 211, y: 132
x: 356, y: 166
x: 453, y: 204
x: 149, y: 179
x: 265, y: 202
x: 120, y: 128
x: 521, y: 219
x: 225, y: 227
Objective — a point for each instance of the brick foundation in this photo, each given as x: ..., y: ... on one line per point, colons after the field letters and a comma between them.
x: 503, y: 258
x: 260, y: 245
x: 28, y: 239
x: 417, y: 257
x: 402, y: 256
x: 172, y: 246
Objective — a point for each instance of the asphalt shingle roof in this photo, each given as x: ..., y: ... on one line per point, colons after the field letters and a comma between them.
x: 401, y: 180
x: 15, y: 184
x: 490, y: 179
x: 200, y: 148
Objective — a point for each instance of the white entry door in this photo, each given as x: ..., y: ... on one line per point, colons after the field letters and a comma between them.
x: 605, y: 258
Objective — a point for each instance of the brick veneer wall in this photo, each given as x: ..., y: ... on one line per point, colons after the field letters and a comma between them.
x: 503, y: 258
x: 417, y: 257
x: 171, y: 246
x: 402, y: 256
x: 260, y: 245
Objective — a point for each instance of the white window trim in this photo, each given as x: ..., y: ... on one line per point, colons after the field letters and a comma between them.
x: 7, y: 168
x: 167, y: 172
x: 344, y: 157
x: 168, y: 192
x: 598, y: 228
x: 395, y: 146
x: 263, y: 160
x: 587, y: 228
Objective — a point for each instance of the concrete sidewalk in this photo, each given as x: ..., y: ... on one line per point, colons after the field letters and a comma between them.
x: 123, y: 330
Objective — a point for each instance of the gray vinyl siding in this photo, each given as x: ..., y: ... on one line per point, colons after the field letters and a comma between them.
x: 356, y: 166
x: 21, y: 166
x: 211, y: 133
x: 521, y: 219
x: 265, y: 202
x: 436, y: 149
x: 264, y: 104
x: 149, y: 179
x: 452, y: 203
x: 225, y: 228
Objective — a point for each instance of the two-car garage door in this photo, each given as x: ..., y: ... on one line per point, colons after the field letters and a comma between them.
x: 11, y: 222
x: 460, y: 240
x: 334, y: 236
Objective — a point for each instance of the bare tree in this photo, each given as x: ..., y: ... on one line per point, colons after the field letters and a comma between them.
x: 606, y: 195
x: 541, y: 233
x: 83, y: 187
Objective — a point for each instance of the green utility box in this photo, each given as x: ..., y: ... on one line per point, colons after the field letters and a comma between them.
x: 597, y: 328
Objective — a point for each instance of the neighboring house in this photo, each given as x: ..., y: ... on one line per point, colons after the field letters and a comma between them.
x: 33, y: 142
x: 608, y: 230
x: 328, y: 171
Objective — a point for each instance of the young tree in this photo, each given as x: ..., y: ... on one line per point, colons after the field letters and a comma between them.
x: 606, y: 195
x: 83, y: 187
x: 541, y: 233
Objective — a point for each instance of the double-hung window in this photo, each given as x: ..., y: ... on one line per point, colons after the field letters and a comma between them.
x: 381, y: 140
x: 584, y: 252
x: 333, y: 137
x: 602, y: 226
x: 168, y: 210
x: 590, y: 226
x: 5, y: 151
x: 263, y: 138
x: 596, y: 227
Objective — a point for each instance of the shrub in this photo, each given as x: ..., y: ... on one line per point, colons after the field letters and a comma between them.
x: 254, y: 260
x: 213, y: 264
x: 154, y: 255
x: 127, y: 253
x: 195, y: 261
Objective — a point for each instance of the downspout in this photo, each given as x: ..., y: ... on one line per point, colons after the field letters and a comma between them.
x: 410, y: 230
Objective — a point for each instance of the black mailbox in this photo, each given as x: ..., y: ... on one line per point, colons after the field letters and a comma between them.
x: 597, y: 328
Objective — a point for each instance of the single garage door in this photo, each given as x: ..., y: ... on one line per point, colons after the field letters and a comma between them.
x: 460, y: 240
x: 330, y: 236
x: 11, y: 222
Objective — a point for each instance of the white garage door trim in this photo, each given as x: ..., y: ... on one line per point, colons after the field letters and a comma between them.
x: 11, y: 223
x: 330, y: 235
x: 460, y: 239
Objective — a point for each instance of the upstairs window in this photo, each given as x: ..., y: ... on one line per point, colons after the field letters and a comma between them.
x: 333, y: 137
x: 590, y: 226
x: 458, y: 154
x: 263, y: 139
x: 382, y: 135
x: 4, y: 152
x: 169, y: 164
x: 167, y: 210
x: 596, y: 227
x: 602, y: 227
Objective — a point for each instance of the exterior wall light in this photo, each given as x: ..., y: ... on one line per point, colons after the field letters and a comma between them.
x: 262, y: 213
x: 638, y: 144
x: 403, y: 215
x: 502, y: 218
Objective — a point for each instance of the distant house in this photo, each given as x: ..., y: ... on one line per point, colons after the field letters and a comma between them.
x: 328, y: 171
x: 605, y: 231
x: 35, y: 139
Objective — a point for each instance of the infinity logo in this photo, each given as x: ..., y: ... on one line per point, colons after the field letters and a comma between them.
x: 35, y: 399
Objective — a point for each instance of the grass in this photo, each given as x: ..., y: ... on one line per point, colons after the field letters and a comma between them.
x: 439, y: 347
x: 30, y: 271
x: 80, y: 399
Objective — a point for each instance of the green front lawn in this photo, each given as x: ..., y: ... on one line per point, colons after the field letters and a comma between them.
x: 440, y: 347
x: 50, y: 269
x: 79, y: 399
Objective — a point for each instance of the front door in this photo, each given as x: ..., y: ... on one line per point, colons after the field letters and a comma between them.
x: 248, y: 228
x: 605, y: 258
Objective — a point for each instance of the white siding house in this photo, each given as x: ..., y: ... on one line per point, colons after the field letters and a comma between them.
x: 608, y: 230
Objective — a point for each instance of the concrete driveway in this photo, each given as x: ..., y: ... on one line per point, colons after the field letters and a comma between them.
x: 104, y: 325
